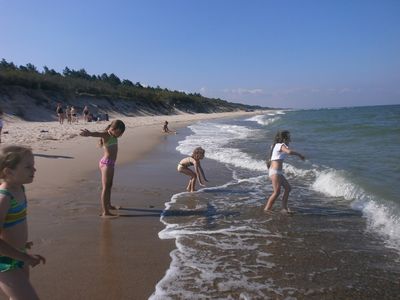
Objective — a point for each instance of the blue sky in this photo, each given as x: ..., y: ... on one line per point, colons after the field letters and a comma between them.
x: 300, y: 54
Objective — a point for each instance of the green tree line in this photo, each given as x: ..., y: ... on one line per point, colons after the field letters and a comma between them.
x: 79, y: 83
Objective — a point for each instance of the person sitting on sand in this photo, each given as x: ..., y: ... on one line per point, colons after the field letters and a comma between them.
x: 194, y: 160
x: 109, y: 142
x: 16, y: 169
x: 278, y: 152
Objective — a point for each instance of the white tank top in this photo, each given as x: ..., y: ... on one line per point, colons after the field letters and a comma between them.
x: 277, y: 154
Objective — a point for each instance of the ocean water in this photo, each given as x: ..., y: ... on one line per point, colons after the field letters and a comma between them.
x: 343, y: 240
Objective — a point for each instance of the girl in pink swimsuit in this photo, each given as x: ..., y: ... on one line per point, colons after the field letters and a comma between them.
x: 109, y: 142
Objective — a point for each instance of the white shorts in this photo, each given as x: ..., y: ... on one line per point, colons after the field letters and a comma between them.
x: 274, y: 172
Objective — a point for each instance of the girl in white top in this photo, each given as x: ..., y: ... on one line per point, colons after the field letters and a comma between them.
x: 279, y: 151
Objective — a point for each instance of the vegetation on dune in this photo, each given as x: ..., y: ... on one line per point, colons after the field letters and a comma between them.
x: 78, y: 83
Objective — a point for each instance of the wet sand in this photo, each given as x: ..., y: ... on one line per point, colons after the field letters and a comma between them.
x: 89, y: 257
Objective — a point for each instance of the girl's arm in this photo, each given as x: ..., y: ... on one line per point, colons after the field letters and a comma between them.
x: 286, y: 149
x: 85, y: 132
x: 9, y: 251
x: 200, y: 173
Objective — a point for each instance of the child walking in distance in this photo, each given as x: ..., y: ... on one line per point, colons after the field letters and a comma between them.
x: 1, y: 122
x: 109, y: 142
x: 60, y: 113
x: 194, y: 160
x: 279, y: 150
x: 16, y: 169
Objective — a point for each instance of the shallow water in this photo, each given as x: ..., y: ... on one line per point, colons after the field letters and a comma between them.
x: 343, y: 240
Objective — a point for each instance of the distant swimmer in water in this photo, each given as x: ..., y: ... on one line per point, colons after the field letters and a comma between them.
x: 194, y: 160
x: 109, y: 142
x: 279, y: 150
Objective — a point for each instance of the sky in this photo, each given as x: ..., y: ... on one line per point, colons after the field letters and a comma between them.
x: 283, y: 53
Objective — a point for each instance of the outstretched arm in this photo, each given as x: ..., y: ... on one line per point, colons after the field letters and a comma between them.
x: 85, y: 132
x: 292, y: 152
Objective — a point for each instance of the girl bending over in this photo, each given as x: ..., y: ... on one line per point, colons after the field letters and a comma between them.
x: 194, y: 160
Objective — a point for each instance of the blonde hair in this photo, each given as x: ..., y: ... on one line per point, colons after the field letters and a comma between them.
x: 11, y: 156
x: 197, y: 152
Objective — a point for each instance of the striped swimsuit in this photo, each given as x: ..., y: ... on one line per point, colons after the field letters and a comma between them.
x: 15, y: 215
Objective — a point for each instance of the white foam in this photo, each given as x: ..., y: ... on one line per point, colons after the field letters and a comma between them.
x: 334, y: 183
x: 264, y: 120
x: 201, y: 266
x: 213, y: 137
x: 380, y: 214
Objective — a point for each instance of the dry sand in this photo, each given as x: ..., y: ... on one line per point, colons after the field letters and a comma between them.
x: 89, y: 257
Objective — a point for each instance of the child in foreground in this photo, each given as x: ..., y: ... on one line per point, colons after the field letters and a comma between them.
x: 194, y: 160
x: 279, y: 151
x: 109, y: 142
x: 16, y: 169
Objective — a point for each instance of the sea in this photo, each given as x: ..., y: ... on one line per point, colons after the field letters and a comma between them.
x: 341, y: 242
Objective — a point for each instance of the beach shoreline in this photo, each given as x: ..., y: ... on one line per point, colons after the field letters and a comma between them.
x: 88, y: 257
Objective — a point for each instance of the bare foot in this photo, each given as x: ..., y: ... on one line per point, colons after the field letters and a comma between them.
x: 269, y: 211
x: 287, y: 211
x: 116, y: 207
x: 109, y: 215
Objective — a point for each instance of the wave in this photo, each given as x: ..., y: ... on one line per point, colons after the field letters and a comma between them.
x: 214, y: 138
x: 380, y: 214
x: 265, y: 120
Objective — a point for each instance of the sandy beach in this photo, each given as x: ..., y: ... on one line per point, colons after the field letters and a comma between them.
x: 89, y: 257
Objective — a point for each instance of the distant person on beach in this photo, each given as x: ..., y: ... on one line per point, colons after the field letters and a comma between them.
x: 279, y: 150
x: 194, y: 160
x: 16, y: 169
x: 85, y: 113
x: 69, y: 115
x: 109, y: 142
x: 60, y: 113
x: 74, y: 116
x: 1, y: 122
x: 166, y: 129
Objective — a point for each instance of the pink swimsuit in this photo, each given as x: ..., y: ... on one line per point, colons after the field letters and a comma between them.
x: 104, y: 161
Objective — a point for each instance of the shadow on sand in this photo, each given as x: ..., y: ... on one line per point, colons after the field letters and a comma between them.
x: 209, y: 213
x: 52, y: 156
